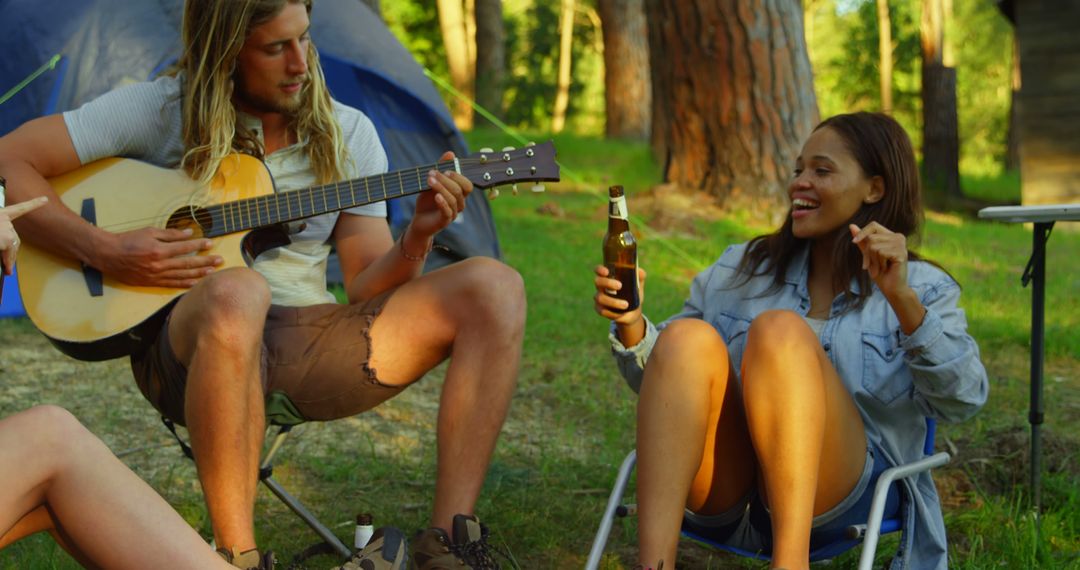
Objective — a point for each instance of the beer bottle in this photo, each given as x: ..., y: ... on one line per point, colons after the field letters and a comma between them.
x: 620, y: 249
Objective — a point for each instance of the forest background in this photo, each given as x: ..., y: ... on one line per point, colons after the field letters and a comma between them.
x: 842, y: 38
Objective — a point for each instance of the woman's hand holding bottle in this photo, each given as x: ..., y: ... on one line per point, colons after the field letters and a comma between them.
x: 630, y: 325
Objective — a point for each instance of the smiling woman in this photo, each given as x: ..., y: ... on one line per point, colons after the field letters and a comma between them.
x: 829, y: 186
x: 802, y: 366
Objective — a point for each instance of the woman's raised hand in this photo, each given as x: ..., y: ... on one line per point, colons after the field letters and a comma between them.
x: 885, y: 256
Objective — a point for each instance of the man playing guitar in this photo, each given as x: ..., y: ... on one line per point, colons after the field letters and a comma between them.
x: 249, y: 81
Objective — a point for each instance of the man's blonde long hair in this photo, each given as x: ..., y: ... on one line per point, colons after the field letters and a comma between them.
x: 213, y: 33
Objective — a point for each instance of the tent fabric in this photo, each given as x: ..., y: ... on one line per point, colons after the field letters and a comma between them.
x: 104, y: 44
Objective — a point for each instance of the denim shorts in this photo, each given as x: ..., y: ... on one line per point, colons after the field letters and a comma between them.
x: 748, y: 526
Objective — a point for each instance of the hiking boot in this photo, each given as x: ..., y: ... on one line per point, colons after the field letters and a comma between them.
x: 387, y: 550
x: 249, y: 559
x: 432, y: 549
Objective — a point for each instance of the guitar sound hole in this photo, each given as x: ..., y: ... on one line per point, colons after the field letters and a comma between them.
x: 197, y: 220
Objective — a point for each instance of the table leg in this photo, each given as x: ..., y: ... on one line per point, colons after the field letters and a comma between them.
x: 1036, y: 273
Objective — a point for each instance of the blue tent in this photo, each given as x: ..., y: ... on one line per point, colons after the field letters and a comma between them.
x: 103, y: 44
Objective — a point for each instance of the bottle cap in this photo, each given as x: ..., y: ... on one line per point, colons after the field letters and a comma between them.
x: 615, y: 191
x: 364, y: 519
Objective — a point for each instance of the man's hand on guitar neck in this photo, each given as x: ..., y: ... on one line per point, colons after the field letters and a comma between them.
x: 438, y: 207
x: 155, y: 257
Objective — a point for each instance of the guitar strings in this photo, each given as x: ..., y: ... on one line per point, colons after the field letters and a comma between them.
x: 199, y: 204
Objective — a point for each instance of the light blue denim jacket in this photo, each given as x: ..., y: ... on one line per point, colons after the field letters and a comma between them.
x: 896, y: 379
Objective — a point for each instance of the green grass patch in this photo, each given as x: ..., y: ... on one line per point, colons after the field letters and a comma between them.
x: 1000, y: 189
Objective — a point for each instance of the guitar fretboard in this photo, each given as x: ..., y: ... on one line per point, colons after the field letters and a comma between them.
x: 271, y: 209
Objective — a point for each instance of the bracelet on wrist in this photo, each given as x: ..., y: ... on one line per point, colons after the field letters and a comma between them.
x: 410, y: 257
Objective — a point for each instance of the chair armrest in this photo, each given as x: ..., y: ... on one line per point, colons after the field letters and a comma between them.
x: 881, y: 490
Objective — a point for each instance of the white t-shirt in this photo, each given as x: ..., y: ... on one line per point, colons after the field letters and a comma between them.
x: 142, y: 121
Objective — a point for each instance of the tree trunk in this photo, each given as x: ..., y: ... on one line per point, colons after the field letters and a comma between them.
x: 374, y: 5
x: 627, y: 86
x: 1012, y: 137
x: 562, y: 85
x: 490, y: 56
x: 452, y: 23
x: 886, y: 50
x: 733, y: 97
x: 941, y: 141
x: 470, y: 37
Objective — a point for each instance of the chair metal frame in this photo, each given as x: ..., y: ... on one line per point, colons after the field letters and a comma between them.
x: 868, y: 534
x: 266, y: 476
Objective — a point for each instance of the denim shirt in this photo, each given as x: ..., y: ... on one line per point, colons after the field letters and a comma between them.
x: 895, y: 379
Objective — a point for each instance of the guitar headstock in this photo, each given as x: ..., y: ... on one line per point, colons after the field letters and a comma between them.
x: 489, y: 169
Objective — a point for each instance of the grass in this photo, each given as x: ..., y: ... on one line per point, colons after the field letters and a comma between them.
x: 1001, y: 189
x: 573, y: 418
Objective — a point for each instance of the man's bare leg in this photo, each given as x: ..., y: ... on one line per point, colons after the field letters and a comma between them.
x: 474, y: 313
x: 216, y: 330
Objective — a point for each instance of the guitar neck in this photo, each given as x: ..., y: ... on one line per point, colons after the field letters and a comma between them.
x: 272, y: 209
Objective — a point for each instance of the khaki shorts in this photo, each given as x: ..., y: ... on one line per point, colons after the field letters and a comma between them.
x: 317, y: 357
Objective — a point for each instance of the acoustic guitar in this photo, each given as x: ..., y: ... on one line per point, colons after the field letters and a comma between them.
x: 91, y: 316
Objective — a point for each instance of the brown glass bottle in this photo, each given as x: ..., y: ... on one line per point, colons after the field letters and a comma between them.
x: 620, y: 249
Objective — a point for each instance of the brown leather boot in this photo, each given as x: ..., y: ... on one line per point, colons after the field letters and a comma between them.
x: 433, y: 549
x: 249, y: 559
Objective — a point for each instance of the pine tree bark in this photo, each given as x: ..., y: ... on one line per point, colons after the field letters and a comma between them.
x: 452, y: 23
x: 562, y: 82
x: 941, y: 139
x: 733, y: 97
x: 1012, y: 138
x: 627, y: 85
x: 490, y: 56
x: 885, y: 56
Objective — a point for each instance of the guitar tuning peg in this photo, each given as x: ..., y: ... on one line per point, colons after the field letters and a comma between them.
x: 506, y: 148
x: 493, y: 193
x: 538, y: 187
x: 530, y: 143
x: 487, y: 149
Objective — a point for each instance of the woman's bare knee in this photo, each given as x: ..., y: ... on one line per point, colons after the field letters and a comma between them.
x: 779, y: 334
x: 53, y: 431
x: 689, y: 352
x: 778, y: 325
x: 781, y: 349
x: 691, y: 339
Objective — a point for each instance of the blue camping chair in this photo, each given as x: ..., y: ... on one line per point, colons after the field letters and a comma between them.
x: 866, y: 534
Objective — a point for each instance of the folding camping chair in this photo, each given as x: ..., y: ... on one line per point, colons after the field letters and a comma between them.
x: 281, y: 415
x: 867, y: 534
